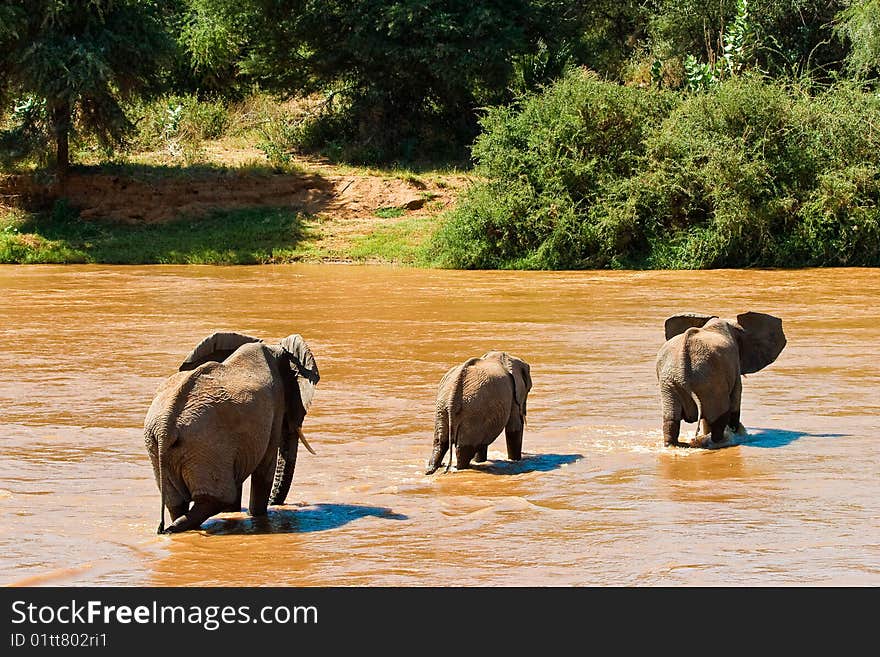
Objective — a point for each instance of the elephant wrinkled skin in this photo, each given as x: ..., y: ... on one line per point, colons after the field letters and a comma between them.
x: 234, y: 410
x: 476, y: 401
x: 699, y: 370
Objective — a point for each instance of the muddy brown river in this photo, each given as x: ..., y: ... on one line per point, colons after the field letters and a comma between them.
x: 596, y: 500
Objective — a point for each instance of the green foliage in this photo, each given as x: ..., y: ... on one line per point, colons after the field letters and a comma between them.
x: 252, y: 236
x: 859, y: 24
x: 178, y: 123
x: 409, y: 75
x: 735, y: 40
x: 82, y: 58
x: 793, y: 38
x: 699, y: 76
x: 27, y: 133
x: 547, y: 163
x: 750, y: 173
x: 390, y: 213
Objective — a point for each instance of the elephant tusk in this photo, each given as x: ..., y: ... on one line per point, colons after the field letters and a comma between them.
x: 302, y: 439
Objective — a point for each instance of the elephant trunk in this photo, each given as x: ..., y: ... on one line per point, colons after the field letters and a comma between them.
x: 285, y: 465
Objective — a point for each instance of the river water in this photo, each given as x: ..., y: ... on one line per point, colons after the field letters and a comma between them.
x: 597, y: 499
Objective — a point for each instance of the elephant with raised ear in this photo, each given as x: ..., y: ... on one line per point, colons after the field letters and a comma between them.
x: 476, y: 401
x: 234, y: 410
x: 699, y: 370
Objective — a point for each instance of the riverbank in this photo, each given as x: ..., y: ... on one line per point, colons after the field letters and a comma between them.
x: 231, y: 209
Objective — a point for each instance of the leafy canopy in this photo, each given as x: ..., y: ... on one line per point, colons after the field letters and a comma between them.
x: 78, y: 59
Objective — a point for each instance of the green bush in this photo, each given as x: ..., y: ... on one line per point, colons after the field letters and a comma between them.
x: 749, y: 174
x: 409, y: 75
x: 178, y: 120
x: 549, y: 162
x: 738, y: 177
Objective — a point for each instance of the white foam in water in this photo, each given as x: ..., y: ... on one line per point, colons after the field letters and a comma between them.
x: 645, y: 442
x: 731, y: 439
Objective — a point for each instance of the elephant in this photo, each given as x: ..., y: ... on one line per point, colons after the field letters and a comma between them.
x: 699, y: 370
x: 476, y: 401
x: 234, y: 410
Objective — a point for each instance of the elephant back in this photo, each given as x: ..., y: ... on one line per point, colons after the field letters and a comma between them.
x: 216, y: 347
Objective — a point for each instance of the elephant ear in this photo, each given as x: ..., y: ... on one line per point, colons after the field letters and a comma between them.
x: 216, y: 347
x: 302, y: 367
x: 762, y: 341
x: 678, y: 324
x: 522, y: 378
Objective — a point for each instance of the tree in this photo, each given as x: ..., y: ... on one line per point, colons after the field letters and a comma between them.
x: 78, y: 59
x: 860, y: 24
x: 402, y: 66
x: 786, y: 37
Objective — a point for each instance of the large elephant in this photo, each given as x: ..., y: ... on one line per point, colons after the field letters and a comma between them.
x: 476, y: 401
x: 234, y: 410
x: 699, y: 368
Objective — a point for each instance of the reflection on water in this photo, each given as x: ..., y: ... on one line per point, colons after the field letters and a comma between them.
x: 596, y: 500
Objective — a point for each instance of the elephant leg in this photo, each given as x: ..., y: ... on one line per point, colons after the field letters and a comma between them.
x: 671, y: 431
x: 177, y: 510
x: 671, y: 419
x: 735, y: 405
x: 261, y: 483
x: 513, y: 434
x: 236, y: 505
x: 177, y: 502
x: 718, y: 427
x: 463, y: 456
x: 482, y: 454
x: 203, y: 508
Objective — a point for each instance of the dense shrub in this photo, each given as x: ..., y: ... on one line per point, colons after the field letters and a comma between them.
x: 548, y: 164
x: 751, y: 173
x: 182, y: 119
x: 409, y: 75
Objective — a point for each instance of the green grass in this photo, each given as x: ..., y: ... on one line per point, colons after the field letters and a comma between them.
x: 389, y: 213
x: 402, y: 243
x: 251, y: 236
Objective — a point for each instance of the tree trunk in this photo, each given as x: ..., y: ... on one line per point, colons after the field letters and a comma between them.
x: 61, y: 126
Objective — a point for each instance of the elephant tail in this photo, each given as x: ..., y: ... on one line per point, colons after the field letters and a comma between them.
x: 161, y: 529
x: 699, y: 411
x: 451, y: 436
x: 686, y: 368
x: 157, y: 445
x: 160, y: 437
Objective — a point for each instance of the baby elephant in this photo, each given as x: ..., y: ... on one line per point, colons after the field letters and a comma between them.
x: 476, y: 401
x: 699, y: 369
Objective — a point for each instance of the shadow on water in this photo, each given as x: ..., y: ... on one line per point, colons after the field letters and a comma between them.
x: 766, y: 438
x: 313, y: 518
x: 781, y: 437
x: 528, y: 463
